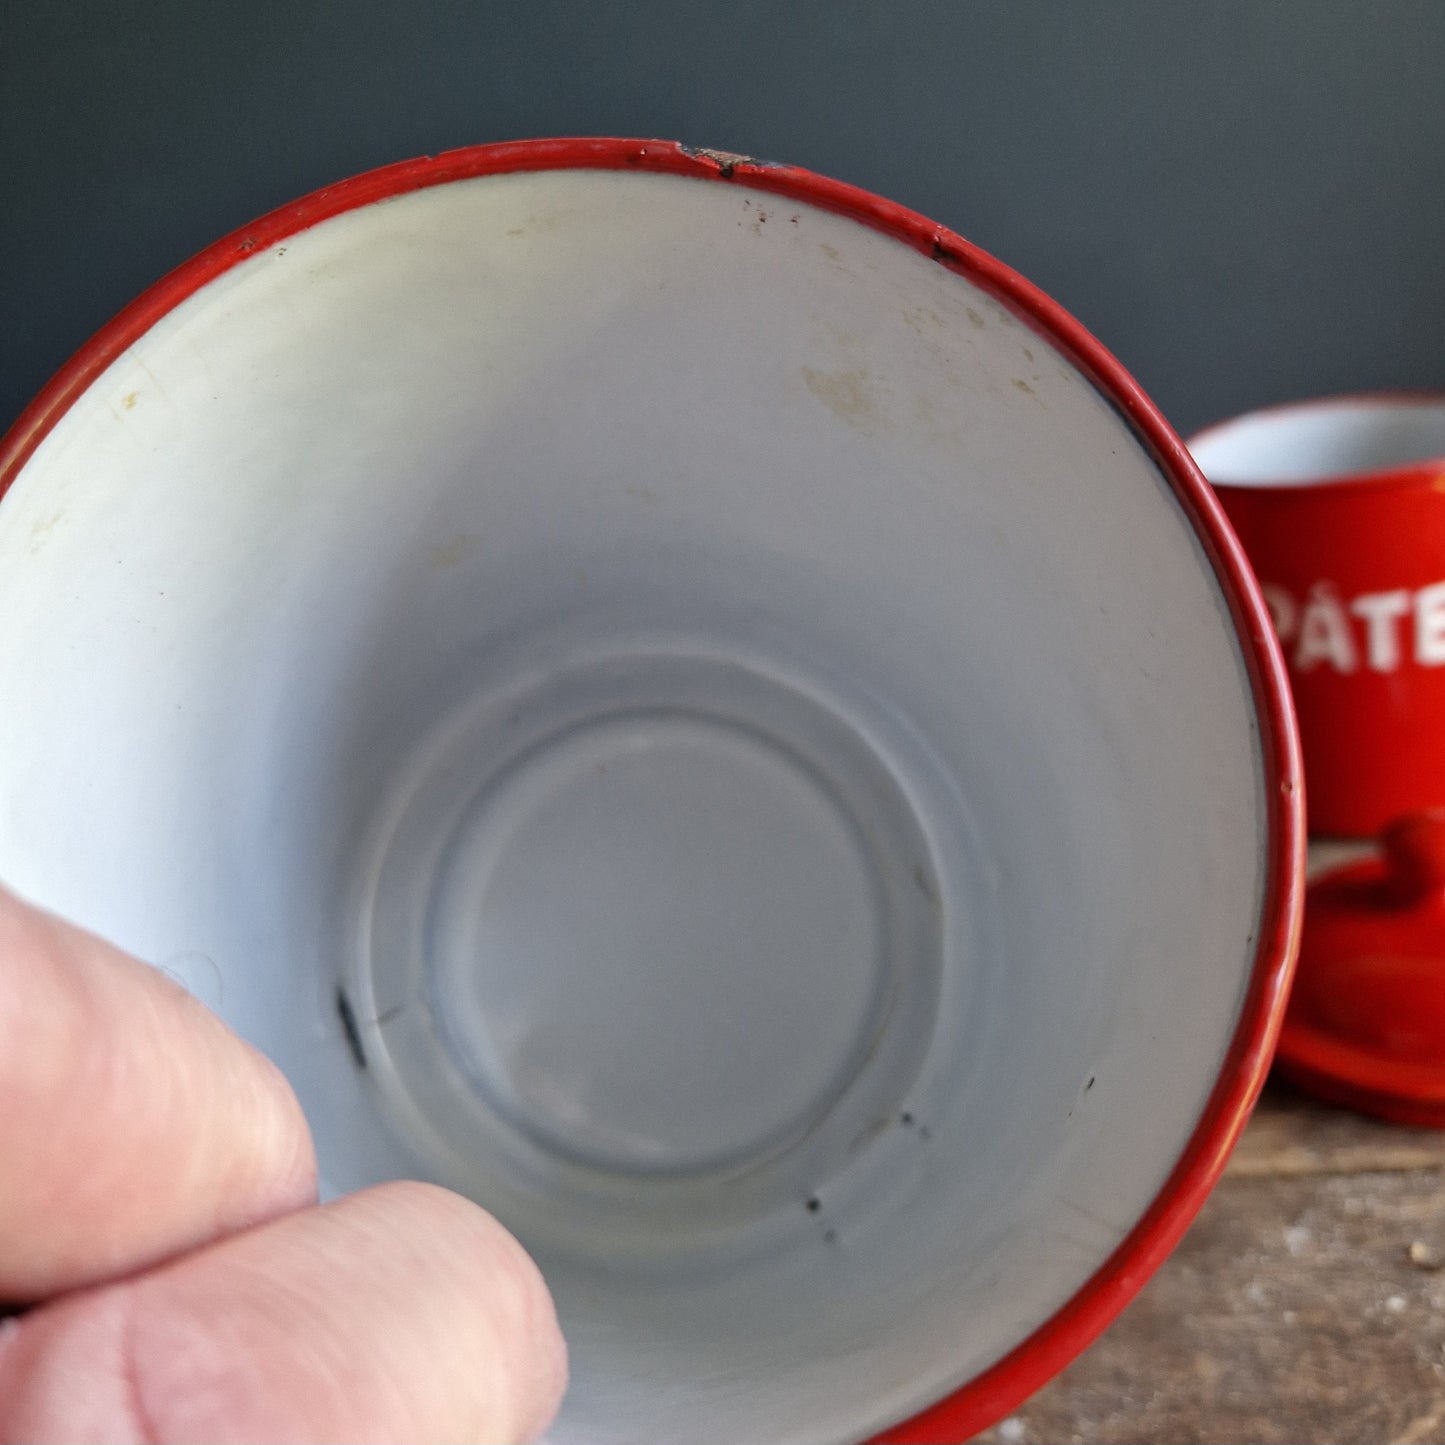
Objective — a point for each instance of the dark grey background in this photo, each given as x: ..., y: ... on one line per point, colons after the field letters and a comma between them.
x: 1245, y: 201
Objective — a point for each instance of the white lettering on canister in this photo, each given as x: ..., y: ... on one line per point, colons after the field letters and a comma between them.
x: 1282, y: 610
x: 1430, y: 625
x: 1324, y: 632
x: 1320, y: 630
x: 1381, y: 610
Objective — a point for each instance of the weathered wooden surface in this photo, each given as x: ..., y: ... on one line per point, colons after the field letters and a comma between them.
x: 1306, y: 1304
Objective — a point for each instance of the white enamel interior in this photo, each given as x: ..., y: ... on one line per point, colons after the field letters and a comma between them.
x: 742, y: 721
x: 1322, y: 441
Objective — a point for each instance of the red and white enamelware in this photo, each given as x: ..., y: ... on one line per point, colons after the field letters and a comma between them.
x: 686, y: 702
x: 1340, y: 505
x: 1366, y: 1020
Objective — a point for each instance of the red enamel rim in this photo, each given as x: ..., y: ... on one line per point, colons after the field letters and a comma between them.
x: 992, y: 1394
x: 1425, y: 471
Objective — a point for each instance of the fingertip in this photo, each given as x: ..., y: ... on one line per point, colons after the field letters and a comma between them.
x: 401, y: 1313
x: 538, y: 1350
x: 550, y: 1370
x: 509, y: 1291
x: 147, y: 1127
x: 286, y: 1171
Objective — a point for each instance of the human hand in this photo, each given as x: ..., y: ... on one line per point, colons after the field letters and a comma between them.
x: 174, y: 1276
